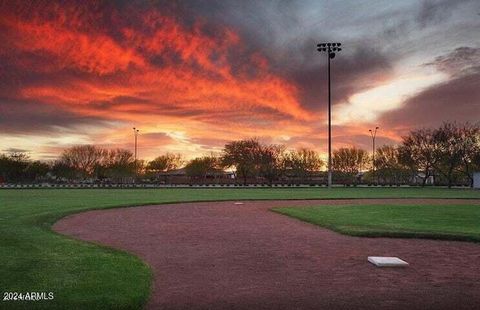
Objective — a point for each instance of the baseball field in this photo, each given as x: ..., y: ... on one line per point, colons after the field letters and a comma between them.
x: 209, y: 248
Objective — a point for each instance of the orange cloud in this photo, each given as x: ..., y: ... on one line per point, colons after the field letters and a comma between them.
x: 186, y: 87
x: 195, y: 72
x: 93, y: 53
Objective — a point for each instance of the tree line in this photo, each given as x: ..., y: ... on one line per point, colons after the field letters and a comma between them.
x: 446, y: 155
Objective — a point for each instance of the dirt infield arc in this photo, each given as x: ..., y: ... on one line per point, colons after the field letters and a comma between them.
x: 219, y: 255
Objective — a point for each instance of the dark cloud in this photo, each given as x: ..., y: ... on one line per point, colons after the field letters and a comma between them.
x: 264, y: 26
x: 33, y: 117
x: 460, y: 61
x: 457, y: 99
x: 363, y: 141
x: 350, y: 73
x: 15, y: 150
x: 454, y: 100
x: 341, y: 139
x: 433, y: 12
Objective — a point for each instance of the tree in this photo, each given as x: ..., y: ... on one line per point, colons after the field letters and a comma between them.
x: 349, y: 161
x: 303, y: 162
x: 388, y: 166
x: 118, y: 163
x: 386, y: 157
x: 449, y: 140
x: 270, y: 161
x: 419, y: 148
x: 244, y: 156
x: 36, y: 169
x: 62, y: 169
x: 200, y: 167
x: 164, y: 163
x: 83, y: 158
x: 17, y: 167
x: 470, y: 150
x: 405, y: 159
x: 13, y: 166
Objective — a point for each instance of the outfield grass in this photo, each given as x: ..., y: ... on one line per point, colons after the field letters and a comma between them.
x: 83, y: 275
x: 447, y: 222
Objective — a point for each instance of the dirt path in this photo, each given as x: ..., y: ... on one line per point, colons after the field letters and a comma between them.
x: 225, y: 256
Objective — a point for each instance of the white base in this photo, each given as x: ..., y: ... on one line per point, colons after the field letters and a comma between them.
x: 238, y: 203
x: 382, y: 261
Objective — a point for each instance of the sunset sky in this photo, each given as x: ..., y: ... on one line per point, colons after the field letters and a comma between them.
x: 192, y: 75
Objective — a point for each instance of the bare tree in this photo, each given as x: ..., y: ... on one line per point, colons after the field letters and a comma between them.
x: 118, y: 163
x: 470, y: 150
x: 420, y: 148
x: 449, y: 140
x: 388, y: 164
x: 303, y: 162
x: 83, y: 158
x: 349, y: 161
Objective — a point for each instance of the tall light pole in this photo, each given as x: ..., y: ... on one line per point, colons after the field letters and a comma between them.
x: 373, y: 134
x: 330, y: 49
x: 135, y: 133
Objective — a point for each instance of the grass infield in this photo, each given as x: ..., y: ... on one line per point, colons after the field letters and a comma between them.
x: 447, y: 222
x: 83, y: 275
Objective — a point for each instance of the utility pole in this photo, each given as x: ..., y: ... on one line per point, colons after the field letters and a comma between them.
x: 373, y: 134
x: 135, y: 133
x: 331, y: 49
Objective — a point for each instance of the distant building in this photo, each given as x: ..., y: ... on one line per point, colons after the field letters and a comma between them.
x: 216, y: 173
x: 179, y: 176
x: 419, y: 176
x: 173, y: 173
x: 476, y: 180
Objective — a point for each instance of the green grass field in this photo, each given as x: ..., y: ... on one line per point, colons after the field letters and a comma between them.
x: 447, y: 222
x: 83, y: 275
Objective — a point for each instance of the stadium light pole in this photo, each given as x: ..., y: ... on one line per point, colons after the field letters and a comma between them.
x: 330, y: 49
x: 373, y: 134
x: 135, y: 133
